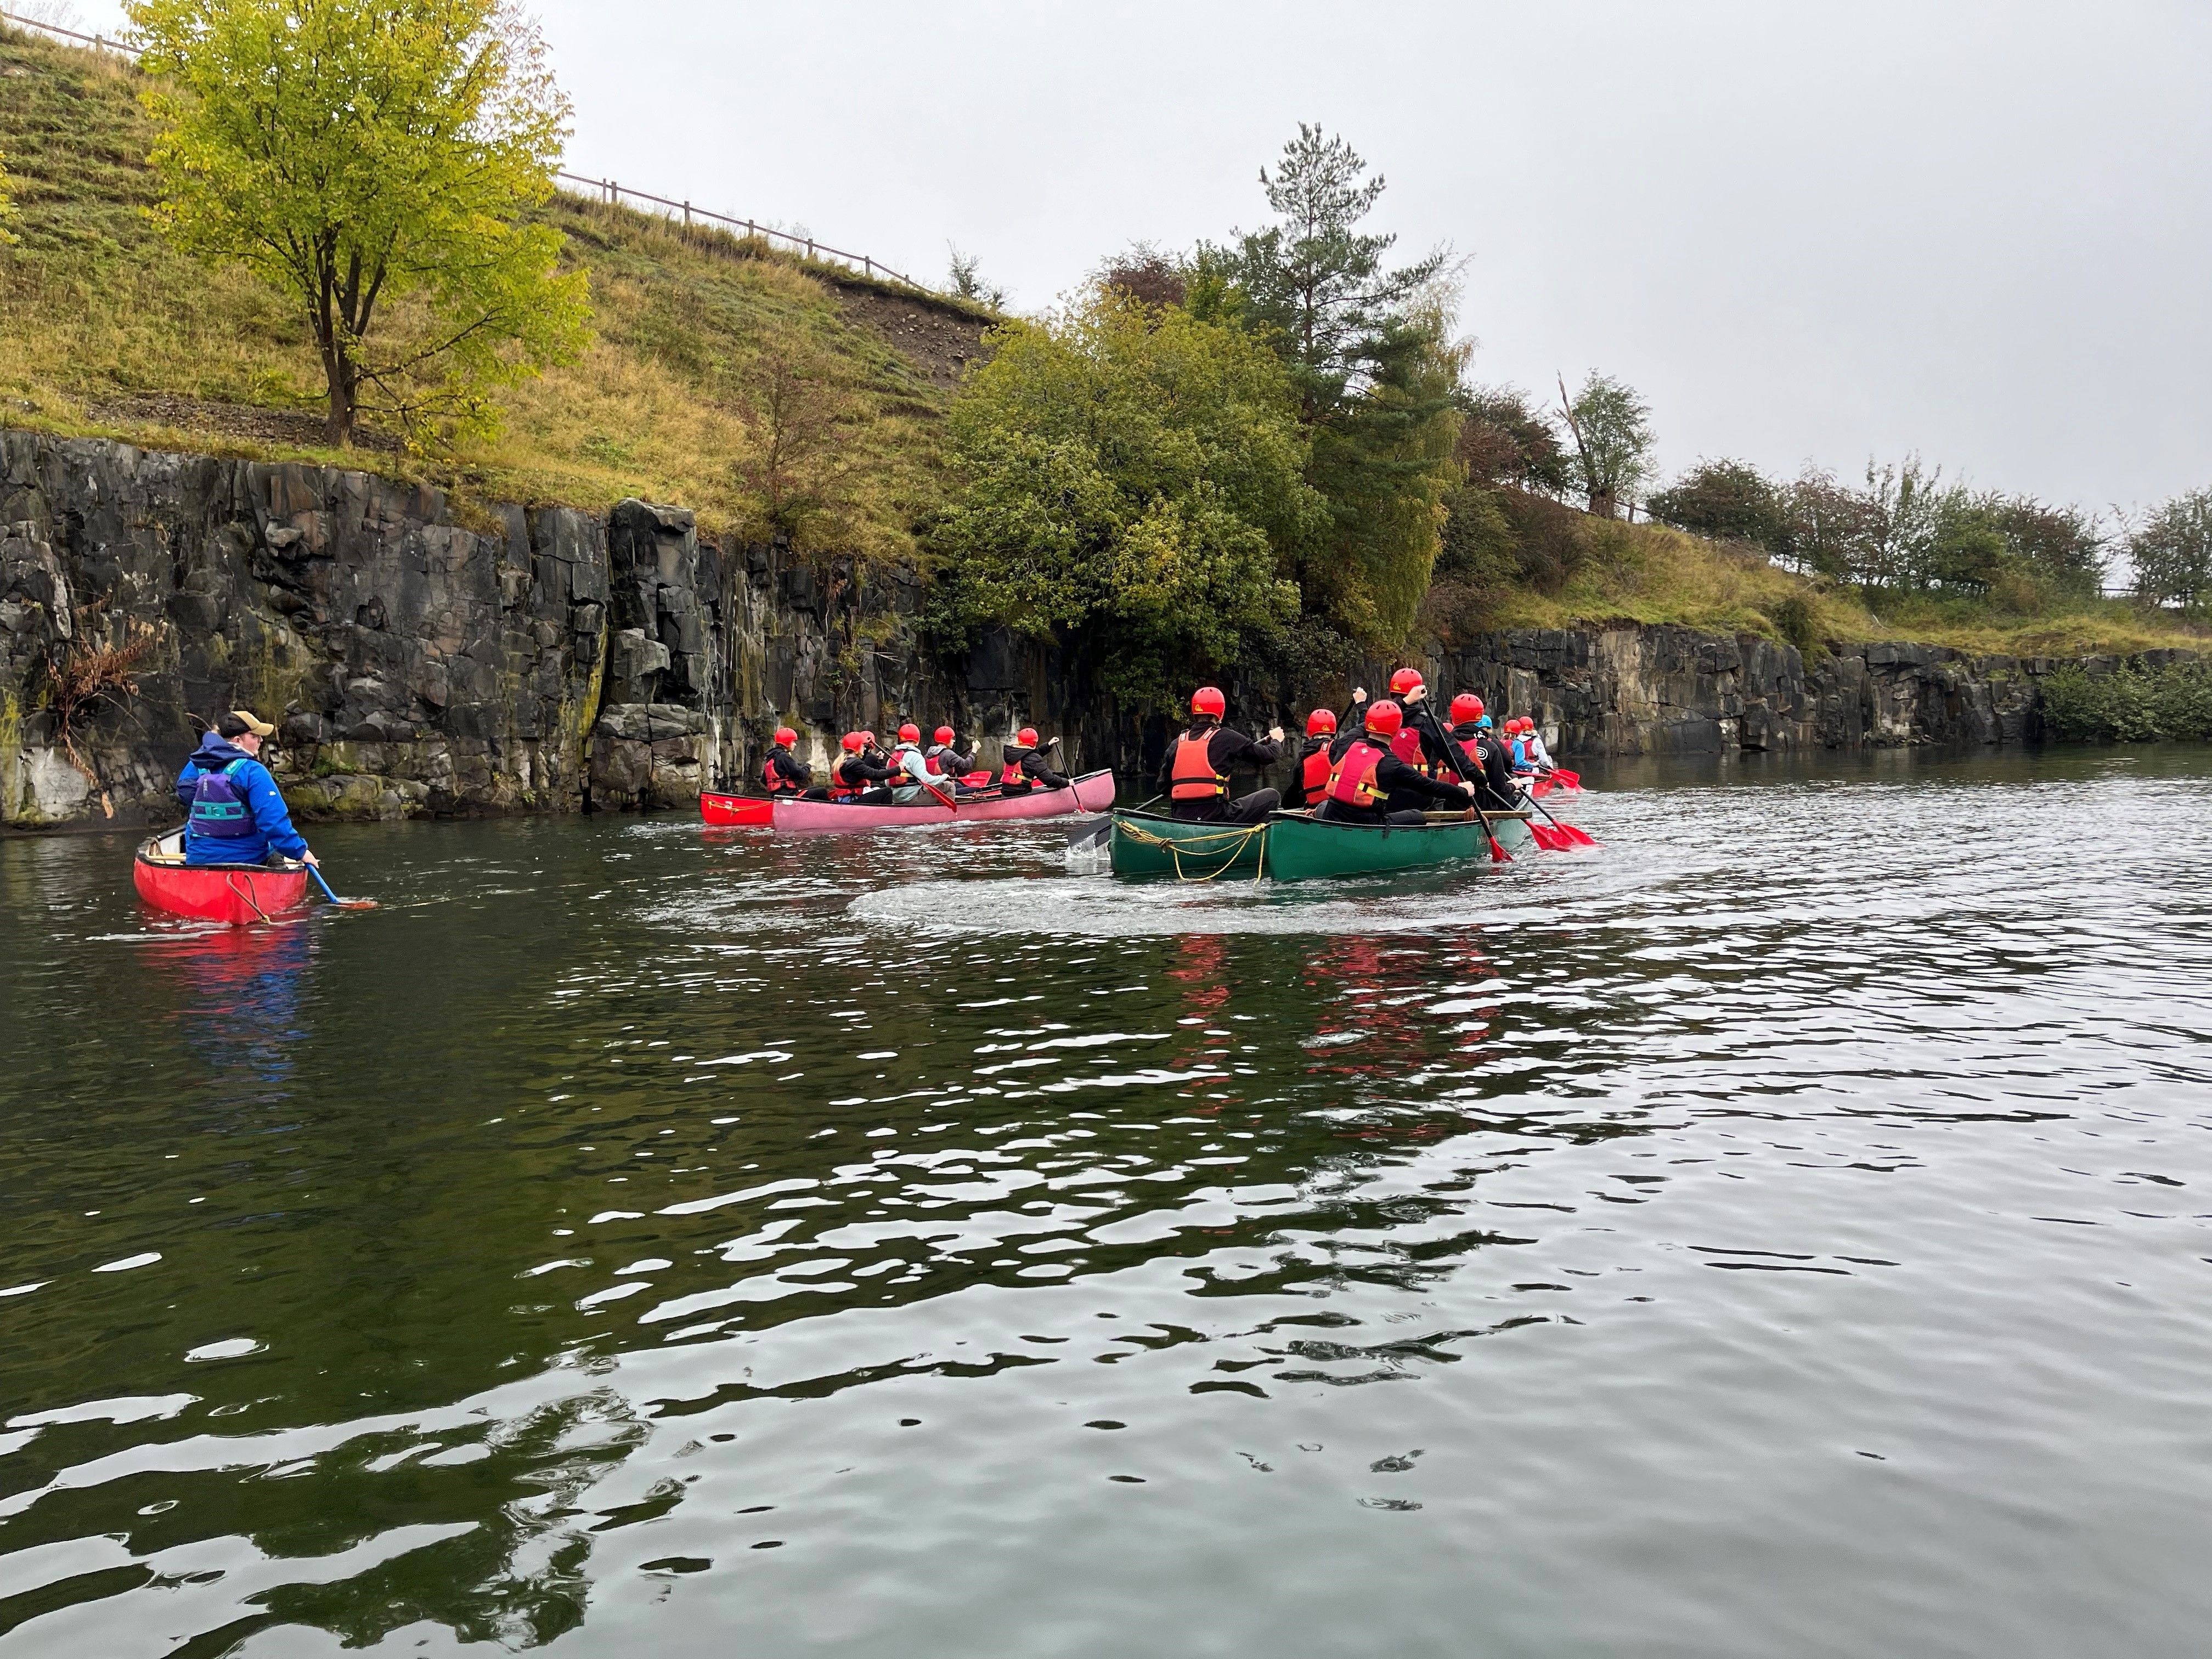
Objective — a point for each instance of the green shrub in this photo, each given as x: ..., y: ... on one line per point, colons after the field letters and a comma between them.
x: 1794, y: 620
x: 2134, y: 705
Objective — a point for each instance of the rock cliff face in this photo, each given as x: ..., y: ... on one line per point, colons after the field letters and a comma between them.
x: 1675, y: 690
x: 549, y: 660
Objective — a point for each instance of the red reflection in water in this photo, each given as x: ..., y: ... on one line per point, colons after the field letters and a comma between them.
x: 238, y: 995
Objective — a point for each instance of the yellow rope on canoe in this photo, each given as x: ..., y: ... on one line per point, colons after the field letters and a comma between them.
x: 1199, y: 846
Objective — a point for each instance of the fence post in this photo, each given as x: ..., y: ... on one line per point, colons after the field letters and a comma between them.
x: 810, y: 247
x: 868, y: 265
x: 687, y: 218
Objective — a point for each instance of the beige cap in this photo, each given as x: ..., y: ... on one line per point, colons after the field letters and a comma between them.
x: 259, y: 727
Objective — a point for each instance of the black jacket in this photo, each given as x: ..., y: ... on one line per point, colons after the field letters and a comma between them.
x: 1404, y: 790
x: 1030, y: 764
x: 789, y: 767
x: 862, y: 771
x: 1498, y: 794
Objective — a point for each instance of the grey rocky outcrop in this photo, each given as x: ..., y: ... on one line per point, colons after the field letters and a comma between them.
x: 422, y: 660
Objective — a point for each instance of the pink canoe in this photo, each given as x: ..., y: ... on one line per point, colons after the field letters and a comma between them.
x: 1091, y: 793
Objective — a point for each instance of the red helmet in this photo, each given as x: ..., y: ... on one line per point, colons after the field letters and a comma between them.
x: 867, y: 739
x: 1209, y: 699
x: 1466, y: 707
x: 785, y: 736
x: 1404, y: 680
x: 1318, y: 722
x: 1524, y: 724
x: 1026, y: 737
x: 910, y: 732
x: 945, y: 734
x: 854, y: 743
x: 1384, y: 718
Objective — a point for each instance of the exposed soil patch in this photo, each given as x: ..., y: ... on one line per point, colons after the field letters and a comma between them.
x: 942, y: 341
x: 268, y: 426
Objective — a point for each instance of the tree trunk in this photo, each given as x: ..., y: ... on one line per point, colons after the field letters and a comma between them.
x: 1602, y: 503
x: 344, y: 382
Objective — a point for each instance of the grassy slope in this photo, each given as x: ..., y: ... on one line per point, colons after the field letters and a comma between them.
x: 1649, y: 574
x: 95, y: 311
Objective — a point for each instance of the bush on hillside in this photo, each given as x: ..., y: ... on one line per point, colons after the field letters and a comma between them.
x: 1726, y: 500
x: 2172, y: 703
x: 1128, y: 476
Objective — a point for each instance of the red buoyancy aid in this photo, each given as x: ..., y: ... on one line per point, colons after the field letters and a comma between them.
x: 1194, y: 777
x: 1314, y: 777
x: 1407, y: 746
x: 1353, y: 783
x: 1474, y: 747
x: 1011, y: 773
x: 776, y: 782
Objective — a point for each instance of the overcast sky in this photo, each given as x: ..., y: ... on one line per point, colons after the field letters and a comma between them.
x: 1804, y: 231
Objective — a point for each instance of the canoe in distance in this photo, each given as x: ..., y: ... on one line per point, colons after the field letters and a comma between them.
x: 239, y: 893
x: 1091, y: 793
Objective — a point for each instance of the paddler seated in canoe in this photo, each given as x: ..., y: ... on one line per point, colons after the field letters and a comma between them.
x: 1310, y: 781
x: 1410, y: 690
x: 914, y: 782
x: 1373, y: 786
x: 784, y: 774
x: 946, y: 757
x: 238, y: 814
x: 1022, y: 766
x: 1471, y: 731
x: 863, y: 777
x: 1195, y: 772
x: 1518, y: 730
x: 1540, y: 757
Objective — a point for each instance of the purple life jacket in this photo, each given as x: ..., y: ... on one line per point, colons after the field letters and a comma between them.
x: 219, y: 809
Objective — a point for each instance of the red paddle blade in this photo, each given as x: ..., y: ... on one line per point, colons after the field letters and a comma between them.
x: 1580, y: 838
x: 1572, y: 779
x: 1498, y: 854
x: 1548, y: 838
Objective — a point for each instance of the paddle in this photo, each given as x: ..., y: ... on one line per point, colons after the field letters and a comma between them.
x: 343, y: 903
x: 1568, y: 834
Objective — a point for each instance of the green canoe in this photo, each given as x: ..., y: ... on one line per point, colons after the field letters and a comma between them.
x: 1152, y: 844
x: 1301, y: 849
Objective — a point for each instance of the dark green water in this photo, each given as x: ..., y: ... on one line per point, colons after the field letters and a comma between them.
x: 1787, y: 1232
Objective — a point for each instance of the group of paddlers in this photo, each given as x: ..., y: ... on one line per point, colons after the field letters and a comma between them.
x: 1386, y: 761
x: 907, y: 773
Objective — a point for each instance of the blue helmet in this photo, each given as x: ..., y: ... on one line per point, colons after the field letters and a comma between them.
x: 1484, y: 722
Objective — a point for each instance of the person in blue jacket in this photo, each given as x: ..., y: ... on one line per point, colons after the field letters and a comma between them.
x: 238, y: 813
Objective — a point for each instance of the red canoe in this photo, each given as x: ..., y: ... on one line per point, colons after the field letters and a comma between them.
x: 239, y: 893
x: 1091, y: 793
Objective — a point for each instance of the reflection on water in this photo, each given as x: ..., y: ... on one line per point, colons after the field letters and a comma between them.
x: 1774, y: 1234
